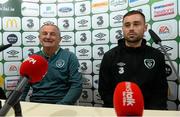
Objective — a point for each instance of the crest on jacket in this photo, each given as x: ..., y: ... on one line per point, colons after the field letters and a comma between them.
x: 149, y: 63
x: 60, y: 63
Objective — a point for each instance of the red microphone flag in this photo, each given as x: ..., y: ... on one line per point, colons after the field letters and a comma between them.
x: 34, y: 68
x: 128, y: 100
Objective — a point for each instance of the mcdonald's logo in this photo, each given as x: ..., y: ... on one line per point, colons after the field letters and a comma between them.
x: 11, y: 23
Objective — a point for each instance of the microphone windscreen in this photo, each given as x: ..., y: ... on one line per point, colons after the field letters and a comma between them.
x: 154, y: 36
x: 34, y: 67
x: 128, y: 99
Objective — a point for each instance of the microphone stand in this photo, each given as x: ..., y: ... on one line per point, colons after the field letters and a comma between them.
x: 169, y: 59
x: 157, y: 40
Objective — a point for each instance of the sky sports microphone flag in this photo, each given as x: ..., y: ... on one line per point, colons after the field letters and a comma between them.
x: 32, y: 70
x: 128, y: 99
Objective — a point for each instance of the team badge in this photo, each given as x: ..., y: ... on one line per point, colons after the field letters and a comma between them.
x: 149, y: 63
x: 60, y: 63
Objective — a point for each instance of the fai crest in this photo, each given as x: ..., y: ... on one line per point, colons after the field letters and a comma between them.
x: 149, y: 63
x: 60, y: 63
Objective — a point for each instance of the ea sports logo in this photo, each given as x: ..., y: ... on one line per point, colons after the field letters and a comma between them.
x: 3, y: 1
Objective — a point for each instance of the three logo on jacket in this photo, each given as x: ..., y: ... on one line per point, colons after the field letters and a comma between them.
x: 121, y: 67
x: 149, y: 63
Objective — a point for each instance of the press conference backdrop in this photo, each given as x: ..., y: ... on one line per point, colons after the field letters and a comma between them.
x: 89, y: 29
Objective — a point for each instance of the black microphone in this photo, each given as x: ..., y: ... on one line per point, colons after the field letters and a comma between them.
x: 157, y: 40
x: 31, y: 70
x: 5, y: 47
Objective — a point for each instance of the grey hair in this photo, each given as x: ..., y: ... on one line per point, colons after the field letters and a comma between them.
x: 50, y: 24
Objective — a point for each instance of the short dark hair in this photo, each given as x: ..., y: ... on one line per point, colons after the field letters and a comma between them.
x: 134, y: 12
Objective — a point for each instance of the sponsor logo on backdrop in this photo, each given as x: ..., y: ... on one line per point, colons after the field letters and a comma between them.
x: 96, y: 66
x: 118, y: 19
x: 87, y: 81
x: 30, y: 9
x: 48, y: 21
x: 100, y: 36
x: 83, y: 37
x: 100, y: 21
x: 65, y: 9
x: 11, y: 82
x: 83, y: 23
x: 13, y: 53
x: 11, y: 23
x: 145, y: 9
x: 164, y: 10
x: 66, y: 24
x: 82, y: 8
x: 99, y: 6
x: 133, y: 3
x: 99, y: 50
x: 12, y: 38
x: 30, y: 38
x: 30, y: 51
x: 118, y: 2
x: 166, y: 29
x: 167, y: 48
x: 4, y: 7
x: 66, y: 38
x: 27, y: 51
x: 86, y: 95
x: 3, y: 1
x: 30, y: 23
x: 83, y: 52
x: 48, y: 10
x: 11, y: 68
x: 85, y: 66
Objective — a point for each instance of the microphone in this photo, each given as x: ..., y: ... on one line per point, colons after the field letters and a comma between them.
x: 5, y: 47
x: 128, y: 99
x: 33, y: 70
x: 157, y: 40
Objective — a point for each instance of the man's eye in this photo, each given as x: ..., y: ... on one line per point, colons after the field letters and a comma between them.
x: 44, y: 33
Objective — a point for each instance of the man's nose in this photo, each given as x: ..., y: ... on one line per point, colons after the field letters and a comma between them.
x: 131, y: 27
x: 48, y: 35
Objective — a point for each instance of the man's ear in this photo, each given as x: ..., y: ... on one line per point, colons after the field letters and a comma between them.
x: 145, y: 27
